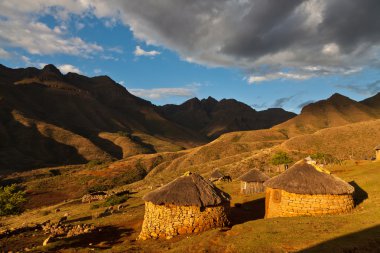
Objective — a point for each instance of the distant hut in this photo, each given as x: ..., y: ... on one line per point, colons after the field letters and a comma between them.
x: 377, y: 153
x: 252, y: 182
x: 306, y: 189
x: 189, y: 204
x: 216, y: 175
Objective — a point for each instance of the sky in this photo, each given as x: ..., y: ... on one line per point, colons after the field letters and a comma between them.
x: 265, y: 53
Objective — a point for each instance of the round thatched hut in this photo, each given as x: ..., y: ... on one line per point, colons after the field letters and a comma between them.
x: 306, y: 189
x: 252, y: 182
x: 189, y: 204
x: 216, y: 175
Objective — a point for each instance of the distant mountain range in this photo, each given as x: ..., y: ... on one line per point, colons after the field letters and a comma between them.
x: 48, y: 118
x: 212, y: 118
x: 338, y: 110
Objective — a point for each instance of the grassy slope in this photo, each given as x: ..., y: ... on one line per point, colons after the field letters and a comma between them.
x: 254, y: 235
x: 353, y: 141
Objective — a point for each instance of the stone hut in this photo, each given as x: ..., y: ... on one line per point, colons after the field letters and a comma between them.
x: 307, y: 190
x: 377, y: 149
x: 252, y: 182
x: 216, y: 175
x: 189, y: 204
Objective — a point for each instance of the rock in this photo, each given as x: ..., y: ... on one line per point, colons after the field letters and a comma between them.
x: 57, y: 210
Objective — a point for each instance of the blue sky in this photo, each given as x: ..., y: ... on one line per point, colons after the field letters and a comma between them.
x: 167, y: 64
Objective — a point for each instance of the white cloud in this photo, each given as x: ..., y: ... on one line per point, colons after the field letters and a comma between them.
x: 66, y: 68
x: 4, y: 54
x: 160, y: 93
x: 141, y: 52
x: 97, y: 71
x: 331, y: 49
x: 278, y: 75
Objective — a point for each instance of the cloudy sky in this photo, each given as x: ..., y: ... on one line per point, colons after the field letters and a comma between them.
x: 266, y: 53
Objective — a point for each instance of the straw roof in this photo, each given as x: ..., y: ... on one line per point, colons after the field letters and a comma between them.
x: 377, y: 147
x: 304, y: 178
x: 216, y: 174
x: 188, y: 190
x: 254, y: 175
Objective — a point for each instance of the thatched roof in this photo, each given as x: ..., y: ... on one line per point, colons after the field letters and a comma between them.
x: 216, y: 174
x: 188, y: 190
x: 254, y: 175
x: 304, y: 178
x: 377, y: 147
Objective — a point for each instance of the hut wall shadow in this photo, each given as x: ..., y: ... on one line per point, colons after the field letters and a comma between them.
x: 360, y: 194
x: 367, y: 240
x: 248, y: 211
x: 108, y: 236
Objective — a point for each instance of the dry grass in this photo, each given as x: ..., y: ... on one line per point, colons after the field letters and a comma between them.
x: 250, y: 233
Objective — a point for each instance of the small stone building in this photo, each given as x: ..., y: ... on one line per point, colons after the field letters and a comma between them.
x: 377, y: 149
x: 252, y: 182
x: 216, y: 175
x: 307, y: 190
x: 189, y: 204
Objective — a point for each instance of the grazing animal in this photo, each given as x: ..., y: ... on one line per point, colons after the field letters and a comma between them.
x: 226, y: 178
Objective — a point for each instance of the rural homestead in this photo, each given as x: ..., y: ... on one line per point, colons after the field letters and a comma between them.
x: 305, y: 189
x: 202, y: 126
x: 252, y: 182
x: 189, y: 204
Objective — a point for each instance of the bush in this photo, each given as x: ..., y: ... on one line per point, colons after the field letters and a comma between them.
x: 11, y: 200
x: 281, y: 158
x: 98, y: 188
x: 115, y: 200
x: 55, y: 172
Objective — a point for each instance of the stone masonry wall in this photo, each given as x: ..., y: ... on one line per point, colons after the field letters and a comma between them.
x: 251, y: 188
x: 165, y: 221
x: 285, y: 204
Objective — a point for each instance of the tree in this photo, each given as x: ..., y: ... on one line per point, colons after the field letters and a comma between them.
x: 11, y: 200
x: 281, y: 158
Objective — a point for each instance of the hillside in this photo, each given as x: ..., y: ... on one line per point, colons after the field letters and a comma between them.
x: 356, y: 231
x: 337, y: 110
x: 212, y: 118
x: 50, y: 119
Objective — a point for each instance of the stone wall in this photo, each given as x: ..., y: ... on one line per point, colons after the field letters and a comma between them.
x: 251, y: 188
x: 279, y: 203
x: 377, y: 155
x: 165, y: 221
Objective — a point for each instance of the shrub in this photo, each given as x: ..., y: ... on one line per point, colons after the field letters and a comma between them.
x: 98, y: 188
x: 93, y: 163
x: 115, y: 200
x: 55, y: 172
x: 11, y: 200
x: 281, y: 158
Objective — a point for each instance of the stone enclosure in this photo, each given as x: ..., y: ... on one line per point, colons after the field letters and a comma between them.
x: 279, y: 203
x: 165, y: 221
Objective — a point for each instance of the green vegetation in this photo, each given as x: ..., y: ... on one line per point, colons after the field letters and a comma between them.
x: 281, y: 158
x: 11, y: 200
x: 98, y: 188
x: 115, y: 200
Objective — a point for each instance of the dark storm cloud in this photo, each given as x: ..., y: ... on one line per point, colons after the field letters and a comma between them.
x: 262, y: 36
x: 366, y: 89
x: 302, y: 105
x: 280, y: 102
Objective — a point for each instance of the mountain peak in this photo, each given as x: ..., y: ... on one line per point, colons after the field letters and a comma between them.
x: 50, y: 68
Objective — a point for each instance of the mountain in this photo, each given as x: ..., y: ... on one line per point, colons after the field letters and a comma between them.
x: 338, y: 110
x: 212, y: 118
x: 48, y: 118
